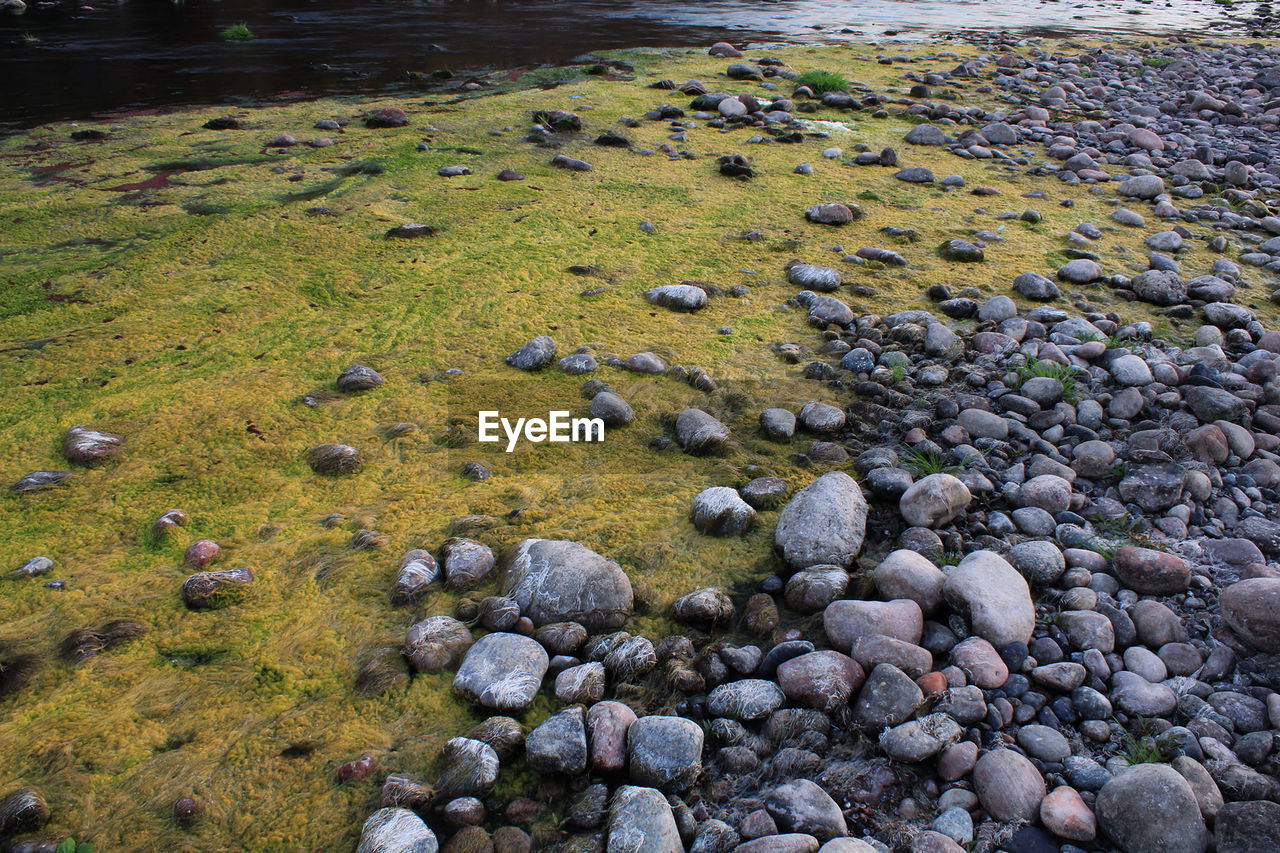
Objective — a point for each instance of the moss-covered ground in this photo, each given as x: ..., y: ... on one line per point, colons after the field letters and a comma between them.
x: 179, y: 287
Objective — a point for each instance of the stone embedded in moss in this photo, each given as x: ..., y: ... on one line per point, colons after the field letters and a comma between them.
x: 504, y: 734
x: 34, y: 568
x: 394, y: 830
x: 466, y: 562
x: 23, y: 811
x: 557, y: 120
x: 411, y: 230
x: 814, y: 277
x: 534, y: 355
x: 961, y: 251
x: 84, y: 643
x: 612, y: 140
x: 168, y: 521
x: 357, y: 377
x: 824, y: 523
x: 645, y: 362
x: 631, y: 659
x: 387, y: 117
x: 723, y: 49
x: 721, y: 511
x: 832, y: 214
x: 84, y: 446
x: 437, y: 643
x: 612, y: 409
x: 406, y: 792
x: 678, y: 297
x: 736, y: 166
x: 700, y: 433
x: 572, y: 164
x: 186, y: 810
x: 354, y: 771
x: 498, y: 613
x: 201, y: 553
x: 206, y: 590
x: 704, y: 608
x: 418, y: 571
x: 334, y: 459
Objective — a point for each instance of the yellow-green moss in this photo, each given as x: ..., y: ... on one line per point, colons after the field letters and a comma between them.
x: 193, y: 317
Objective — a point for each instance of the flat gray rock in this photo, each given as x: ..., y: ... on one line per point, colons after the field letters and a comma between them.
x: 561, y: 581
x: 396, y: 831
x: 502, y: 672
x: 823, y: 524
x: 1150, y: 808
x: 640, y: 821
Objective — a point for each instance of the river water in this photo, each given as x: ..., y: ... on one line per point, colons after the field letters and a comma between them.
x: 92, y: 60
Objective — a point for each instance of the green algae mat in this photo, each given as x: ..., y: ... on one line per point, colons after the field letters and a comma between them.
x: 198, y: 293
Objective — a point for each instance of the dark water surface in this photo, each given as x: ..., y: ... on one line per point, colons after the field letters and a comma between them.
x: 94, y: 60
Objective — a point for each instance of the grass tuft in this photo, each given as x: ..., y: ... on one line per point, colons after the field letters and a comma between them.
x: 1052, y: 370
x: 822, y: 82
x: 924, y: 464
x: 238, y: 32
x: 1140, y: 749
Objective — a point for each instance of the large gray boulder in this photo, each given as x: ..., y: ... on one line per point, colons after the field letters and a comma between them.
x: 813, y: 277
x: 1151, y: 808
x: 748, y: 699
x: 994, y: 597
x: 666, y: 752
x: 559, y: 744
x: 926, y: 134
x: 469, y: 768
x: 640, y: 821
x: 1159, y: 287
x: 721, y: 511
x: 908, y: 574
x: 1251, y: 608
x: 1008, y: 785
x: 700, y: 433
x: 396, y: 831
x: 801, y: 806
x: 824, y: 524
x: 535, y: 355
x: 560, y: 581
x: 1214, y: 404
x: 502, y: 671
x: 1142, y: 186
x: 436, y: 643
x: 678, y: 297
x: 1250, y: 827
x: 934, y: 501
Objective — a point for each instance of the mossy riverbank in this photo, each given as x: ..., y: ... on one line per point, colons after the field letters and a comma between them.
x: 187, y: 288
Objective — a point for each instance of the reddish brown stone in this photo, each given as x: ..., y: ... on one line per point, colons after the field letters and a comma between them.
x: 1151, y: 572
x: 202, y: 553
